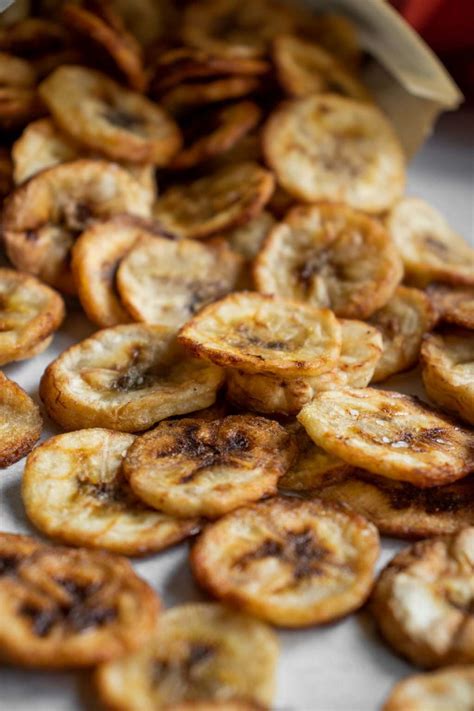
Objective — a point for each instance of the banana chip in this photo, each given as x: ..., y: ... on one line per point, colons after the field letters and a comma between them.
x: 331, y: 256
x: 390, y: 434
x: 453, y: 305
x: 332, y: 148
x: 183, y: 98
x: 16, y: 72
x: 32, y: 35
x: 126, y: 378
x: 18, y: 106
x: 451, y: 689
x: 336, y: 33
x: 293, y: 563
x: 20, y: 423
x: 6, y: 173
x: 148, y: 20
x: 247, y: 240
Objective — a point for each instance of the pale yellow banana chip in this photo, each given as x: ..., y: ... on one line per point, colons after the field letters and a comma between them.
x: 20, y: 422
x: 447, y: 689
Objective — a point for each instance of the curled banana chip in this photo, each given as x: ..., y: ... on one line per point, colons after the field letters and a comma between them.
x: 453, y: 305
x: 20, y: 423
x: 126, y: 378
x: 332, y: 256
x: 291, y: 562
x: 390, y: 434
x: 448, y: 372
x: 261, y: 334
x: 332, y: 148
x: 201, y: 653
x: 422, y: 601
x: 451, y: 688
x: 183, y: 98
x: 247, y: 240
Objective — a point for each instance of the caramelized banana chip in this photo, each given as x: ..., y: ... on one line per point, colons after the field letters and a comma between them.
x: 20, y: 423
x: 198, y: 468
x: 202, y: 653
x: 390, y: 434
x: 452, y: 305
x: 451, y: 688
x: 18, y: 106
x: 183, y: 98
x: 74, y: 491
x: 330, y: 256
x: 293, y: 563
x: 332, y: 148
x: 126, y: 378
x: 423, y: 601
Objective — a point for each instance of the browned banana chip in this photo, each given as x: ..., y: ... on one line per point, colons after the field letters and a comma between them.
x: 20, y: 422
x: 126, y: 378
x: 453, y: 305
x: 44, y: 216
x: 390, y: 434
x: 203, y: 656
x: 247, y: 240
x: 166, y: 281
x: 16, y: 72
x: 248, y: 149
x: 451, y: 688
x: 32, y: 36
x: 147, y: 20
x: 227, y: 198
x: 14, y: 549
x: 291, y: 562
x: 261, y: 334
x: 18, y: 106
x: 200, y: 468
x: 105, y: 117
x: 184, y: 97
x: 423, y: 601
x: 333, y: 148
x: 331, y: 256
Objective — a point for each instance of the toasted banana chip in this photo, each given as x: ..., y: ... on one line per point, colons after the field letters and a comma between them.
x: 200, y: 653
x: 422, y: 601
x: 448, y: 372
x: 166, y: 282
x: 291, y: 562
x: 261, y: 334
x: 430, y: 249
x: 390, y: 434
x: 14, y: 549
x: 247, y: 240
x: 183, y: 98
x: 32, y: 35
x: 453, y: 305
x: 126, y: 378
x: 331, y: 256
x: 18, y: 106
x: 105, y: 117
x: 20, y: 422
x: 332, y: 148
x: 16, y: 72
x: 403, y: 322
x: 451, y: 688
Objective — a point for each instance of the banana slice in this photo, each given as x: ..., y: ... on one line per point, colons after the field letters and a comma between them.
x: 430, y: 249
x: 105, y: 117
x: 16, y: 72
x: 261, y: 334
x: 402, y: 322
x: 200, y: 468
x: 148, y: 20
x: 332, y: 148
x: 330, y: 256
x: 453, y: 305
x: 227, y: 198
x: 448, y: 372
x: 422, y: 601
x: 18, y: 106
x: 247, y: 240
x: 390, y: 434
x: 32, y: 35
x: 337, y: 34
x: 14, y: 549
x: 183, y: 98
x: 30, y: 313
x: 126, y: 378
x: 166, y: 282
x: 20, y: 422
x: 202, y: 653
x: 293, y: 563
x: 451, y: 688
x: 74, y: 491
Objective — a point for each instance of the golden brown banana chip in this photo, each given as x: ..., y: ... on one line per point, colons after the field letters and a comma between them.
x: 247, y: 240
x: 248, y: 149
x: 147, y: 20
x: 431, y: 250
x: 262, y: 334
x: 448, y: 372
x: 20, y: 422
x: 453, y: 305
x: 333, y: 148
x: 105, y: 117
x: 450, y: 689
x: 14, y: 549
x: 201, y: 468
x: 423, y: 601
x: 291, y: 562
x: 126, y: 378
x: 201, y: 652
x: 184, y: 97
x: 74, y: 491
x: 227, y: 198
x: 18, y: 106
x: 16, y: 72
x: 331, y: 256
x: 167, y: 281
x: 31, y: 36
x: 387, y: 433
x: 30, y: 313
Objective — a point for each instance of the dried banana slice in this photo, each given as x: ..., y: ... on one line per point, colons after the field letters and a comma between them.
x: 422, y: 601
x: 448, y: 372
x: 14, y: 549
x: 148, y: 20
x: 332, y: 256
x: 261, y: 334
x: 390, y: 434
x: 105, y: 117
x: 453, y: 305
x: 30, y: 313
x: 73, y: 490
x: 201, y: 653
x: 32, y: 35
x: 18, y: 106
x: 431, y: 250
x: 20, y: 422
x: 126, y: 378
x: 183, y: 98
x: 247, y: 240
x: 16, y: 72
x: 198, y: 468
x: 293, y: 563
x: 227, y: 198
x: 451, y: 688
x: 332, y: 148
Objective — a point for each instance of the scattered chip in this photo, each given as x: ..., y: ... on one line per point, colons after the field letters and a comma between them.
x: 20, y: 423
x: 451, y: 689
